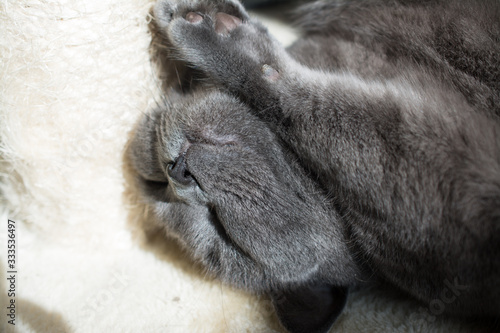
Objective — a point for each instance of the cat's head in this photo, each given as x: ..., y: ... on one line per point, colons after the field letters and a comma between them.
x: 222, y: 183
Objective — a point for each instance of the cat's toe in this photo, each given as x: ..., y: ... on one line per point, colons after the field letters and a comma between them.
x: 225, y: 23
x: 221, y: 22
x: 192, y: 17
x: 225, y: 15
x: 164, y: 12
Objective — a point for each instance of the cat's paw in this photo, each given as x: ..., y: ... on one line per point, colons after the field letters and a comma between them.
x: 225, y: 14
x: 220, y: 39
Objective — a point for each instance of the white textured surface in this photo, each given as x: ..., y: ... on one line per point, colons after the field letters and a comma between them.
x: 74, y: 78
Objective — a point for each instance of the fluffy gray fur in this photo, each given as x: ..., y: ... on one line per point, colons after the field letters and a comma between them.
x: 369, y: 149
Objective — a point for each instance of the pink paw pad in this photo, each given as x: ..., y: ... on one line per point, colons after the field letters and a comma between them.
x: 192, y: 17
x: 270, y: 73
x: 225, y: 23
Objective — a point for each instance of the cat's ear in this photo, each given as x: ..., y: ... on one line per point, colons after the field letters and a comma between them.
x: 309, y: 309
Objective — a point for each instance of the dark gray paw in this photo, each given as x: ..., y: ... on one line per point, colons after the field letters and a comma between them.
x: 223, y: 15
x: 220, y: 39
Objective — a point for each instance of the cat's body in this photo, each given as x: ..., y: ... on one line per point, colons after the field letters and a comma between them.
x: 370, y: 150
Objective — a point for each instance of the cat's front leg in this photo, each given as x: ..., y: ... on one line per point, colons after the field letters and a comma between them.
x: 221, y: 40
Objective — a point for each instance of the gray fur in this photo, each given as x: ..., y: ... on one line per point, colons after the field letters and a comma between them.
x: 370, y: 148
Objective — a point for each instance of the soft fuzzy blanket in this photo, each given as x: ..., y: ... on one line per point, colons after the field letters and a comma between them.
x: 75, y: 78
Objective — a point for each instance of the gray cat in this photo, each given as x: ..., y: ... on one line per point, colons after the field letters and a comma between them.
x: 369, y: 150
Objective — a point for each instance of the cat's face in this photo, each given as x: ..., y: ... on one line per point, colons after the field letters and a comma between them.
x: 221, y: 182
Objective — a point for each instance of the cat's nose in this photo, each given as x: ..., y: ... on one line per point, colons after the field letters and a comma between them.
x: 178, y: 172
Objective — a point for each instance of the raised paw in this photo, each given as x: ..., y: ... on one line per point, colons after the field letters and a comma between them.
x: 223, y: 15
x: 220, y: 39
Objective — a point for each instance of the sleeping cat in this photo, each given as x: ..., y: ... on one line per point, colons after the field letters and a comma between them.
x: 369, y: 150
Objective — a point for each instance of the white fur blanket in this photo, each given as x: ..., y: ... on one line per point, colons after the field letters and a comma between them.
x: 75, y: 77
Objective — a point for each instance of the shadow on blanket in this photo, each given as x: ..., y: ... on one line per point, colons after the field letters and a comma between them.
x: 32, y: 314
